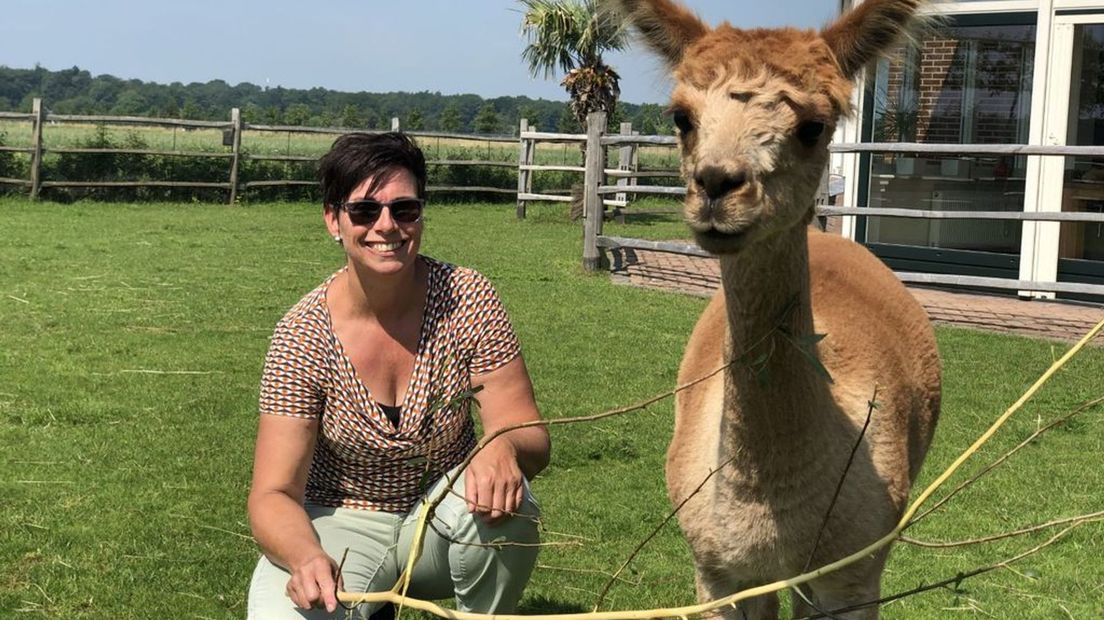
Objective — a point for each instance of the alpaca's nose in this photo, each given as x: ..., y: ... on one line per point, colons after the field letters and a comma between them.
x: 716, y: 182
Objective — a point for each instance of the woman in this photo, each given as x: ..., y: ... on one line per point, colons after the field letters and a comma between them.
x: 363, y: 413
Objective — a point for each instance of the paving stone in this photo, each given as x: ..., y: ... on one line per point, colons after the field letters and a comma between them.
x: 1037, y: 318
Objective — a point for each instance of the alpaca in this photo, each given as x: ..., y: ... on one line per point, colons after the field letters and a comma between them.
x: 810, y: 325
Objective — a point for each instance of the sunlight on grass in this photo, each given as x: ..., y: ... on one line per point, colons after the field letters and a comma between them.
x: 131, y: 352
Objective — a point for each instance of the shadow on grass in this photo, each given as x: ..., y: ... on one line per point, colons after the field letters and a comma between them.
x: 651, y: 218
x: 543, y: 605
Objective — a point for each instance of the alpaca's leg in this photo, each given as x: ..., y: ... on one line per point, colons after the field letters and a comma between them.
x: 759, y: 608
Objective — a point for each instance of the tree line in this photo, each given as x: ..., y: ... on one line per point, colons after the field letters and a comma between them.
x: 76, y: 91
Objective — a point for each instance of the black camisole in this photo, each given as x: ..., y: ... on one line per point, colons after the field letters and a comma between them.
x: 392, y: 413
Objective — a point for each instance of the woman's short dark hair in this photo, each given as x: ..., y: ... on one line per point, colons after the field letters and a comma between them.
x: 355, y: 157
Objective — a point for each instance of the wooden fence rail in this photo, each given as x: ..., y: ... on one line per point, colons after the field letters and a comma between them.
x: 595, y: 190
x: 233, y: 131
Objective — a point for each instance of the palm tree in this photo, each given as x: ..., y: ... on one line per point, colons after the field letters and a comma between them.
x: 570, y: 36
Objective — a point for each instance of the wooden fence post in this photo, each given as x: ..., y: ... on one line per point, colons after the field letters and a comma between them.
x: 592, y: 202
x: 235, y: 150
x: 36, y: 144
x: 624, y: 162
x: 394, y: 123
x: 525, y: 158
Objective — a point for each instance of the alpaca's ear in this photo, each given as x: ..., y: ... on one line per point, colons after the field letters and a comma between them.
x: 667, y: 27
x: 868, y: 31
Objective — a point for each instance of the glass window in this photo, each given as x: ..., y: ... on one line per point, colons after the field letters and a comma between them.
x: 964, y: 84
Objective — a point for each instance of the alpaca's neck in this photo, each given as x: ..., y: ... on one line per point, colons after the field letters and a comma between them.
x: 772, y: 386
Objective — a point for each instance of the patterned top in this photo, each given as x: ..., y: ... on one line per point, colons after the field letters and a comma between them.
x: 361, y: 460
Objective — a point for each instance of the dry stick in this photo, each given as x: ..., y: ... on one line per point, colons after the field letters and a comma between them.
x: 732, y: 599
x: 810, y: 603
x: 429, y: 508
x: 145, y: 371
x: 1075, y: 521
x: 957, y: 578
x: 536, y: 520
x: 670, y: 515
x: 500, y: 545
x: 1086, y: 518
x: 1006, y: 456
x: 609, y: 584
x: 586, y: 570
x: 871, y: 404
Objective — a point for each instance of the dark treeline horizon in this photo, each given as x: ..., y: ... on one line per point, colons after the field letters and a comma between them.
x: 77, y: 91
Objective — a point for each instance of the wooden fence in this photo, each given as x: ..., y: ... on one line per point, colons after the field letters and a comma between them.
x: 628, y: 164
x: 235, y: 156
x: 596, y: 189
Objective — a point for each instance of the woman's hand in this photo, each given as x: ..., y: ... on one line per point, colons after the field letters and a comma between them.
x: 495, y: 480
x: 312, y: 583
x: 494, y: 483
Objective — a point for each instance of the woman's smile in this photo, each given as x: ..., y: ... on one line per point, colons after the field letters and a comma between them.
x: 385, y: 246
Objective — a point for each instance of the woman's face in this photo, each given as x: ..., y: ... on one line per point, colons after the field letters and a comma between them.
x: 385, y: 246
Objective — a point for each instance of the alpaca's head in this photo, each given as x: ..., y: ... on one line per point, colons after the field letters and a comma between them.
x: 755, y: 110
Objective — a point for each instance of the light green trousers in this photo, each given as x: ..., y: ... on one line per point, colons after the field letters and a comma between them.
x: 457, y: 559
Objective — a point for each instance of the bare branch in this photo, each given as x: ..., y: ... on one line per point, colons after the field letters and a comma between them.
x: 953, y: 580
x: 1062, y: 420
x: 870, y: 406
x: 797, y: 590
x: 609, y: 584
x: 1078, y: 520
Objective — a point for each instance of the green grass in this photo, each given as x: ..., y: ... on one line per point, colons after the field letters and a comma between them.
x: 123, y: 492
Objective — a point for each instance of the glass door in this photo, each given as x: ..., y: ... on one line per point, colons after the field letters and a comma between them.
x: 968, y: 83
x: 1074, y: 116
x: 1081, y: 245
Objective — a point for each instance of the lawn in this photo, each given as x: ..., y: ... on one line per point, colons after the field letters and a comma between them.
x: 130, y: 353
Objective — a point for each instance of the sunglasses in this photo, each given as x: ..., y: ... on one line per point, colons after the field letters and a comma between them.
x: 366, y: 212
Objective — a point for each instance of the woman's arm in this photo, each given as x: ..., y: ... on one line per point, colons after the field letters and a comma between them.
x: 285, y: 446
x: 494, y: 480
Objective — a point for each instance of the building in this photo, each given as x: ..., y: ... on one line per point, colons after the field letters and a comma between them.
x: 993, y: 72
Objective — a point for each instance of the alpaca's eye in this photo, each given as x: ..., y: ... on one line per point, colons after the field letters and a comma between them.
x: 809, y: 132
x: 682, y: 121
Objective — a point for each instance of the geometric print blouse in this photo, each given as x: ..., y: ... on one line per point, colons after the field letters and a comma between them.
x: 361, y: 459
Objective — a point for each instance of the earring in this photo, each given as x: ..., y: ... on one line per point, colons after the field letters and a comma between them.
x: 337, y: 239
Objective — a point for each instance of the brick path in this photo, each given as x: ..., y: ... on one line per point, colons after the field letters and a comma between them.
x: 1063, y: 321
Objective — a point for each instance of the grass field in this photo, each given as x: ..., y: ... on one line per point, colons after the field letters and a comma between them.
x: 130, y: 353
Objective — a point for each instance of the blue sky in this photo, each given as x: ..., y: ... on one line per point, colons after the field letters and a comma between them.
x: 451, y: 46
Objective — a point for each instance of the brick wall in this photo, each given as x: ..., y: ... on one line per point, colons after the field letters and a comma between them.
x: 939, y: 80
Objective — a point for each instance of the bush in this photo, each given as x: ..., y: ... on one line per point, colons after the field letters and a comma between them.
x: 12, y: 166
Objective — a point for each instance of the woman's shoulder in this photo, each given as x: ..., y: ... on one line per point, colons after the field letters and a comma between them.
x: 310, y: 311
x: 457, y: 279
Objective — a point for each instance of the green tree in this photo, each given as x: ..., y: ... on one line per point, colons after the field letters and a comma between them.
x: 273, y: 115
x: 191, y: 109
x: 449, y: 119
x: 170, y: 109
x: 531, y: 114
x: 486, y: 119
x: 567, y: 122
x: 297, y: 114
x: 571, y: 36
x: 414, y: 121
x: 252, y: 113
x: 351, y: 118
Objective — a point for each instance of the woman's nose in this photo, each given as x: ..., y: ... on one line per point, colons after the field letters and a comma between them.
x: 385, y: 221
